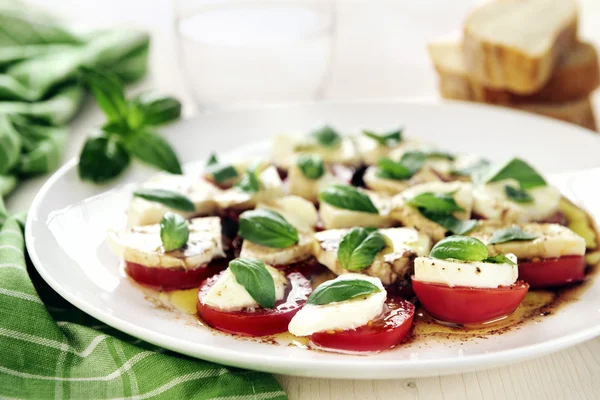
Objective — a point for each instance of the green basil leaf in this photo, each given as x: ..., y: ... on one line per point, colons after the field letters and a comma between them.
x: 516, y: 169
x: 499, y: 259
x: 474, y: 168
x: 390, y: 139
x: 212, y: 160
x: 441, y: 155
x: 413, y: 160
x: 222, y: 173
x: 340, y: 290
x: 435, y: 202
x: 249, y: 182
x: 156, y: 108
x: 154, y: 150
x: 464, y: 248
x: 450, y: 222
x: 267, y: 228
x: 359, y: 247
x: 174, y: 200
x: 254, y: 276
x: 511, y: 234
x: 311, y: 165
x: 102, y: 158
x: 108, y: 92
x: 326, y: 136
x: 174, y: 231
x: 517, y: 195
x: 349, y: 198
x: 389, y: 169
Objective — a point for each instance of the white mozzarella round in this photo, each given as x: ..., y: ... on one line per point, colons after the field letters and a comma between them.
x: 299, y: 212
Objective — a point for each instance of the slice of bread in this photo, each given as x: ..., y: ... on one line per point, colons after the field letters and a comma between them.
x: 575, y: 77
x: 515, y: 44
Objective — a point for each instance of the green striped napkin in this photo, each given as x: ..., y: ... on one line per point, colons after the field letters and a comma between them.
x: 48, y: 348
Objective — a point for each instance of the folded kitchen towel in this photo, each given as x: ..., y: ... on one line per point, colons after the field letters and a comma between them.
x: 48, y: 348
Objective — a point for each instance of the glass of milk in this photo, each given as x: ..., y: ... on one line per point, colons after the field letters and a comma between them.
x: 248, y: 52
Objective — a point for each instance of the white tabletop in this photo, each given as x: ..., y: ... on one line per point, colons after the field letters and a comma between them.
x: 379, y: 53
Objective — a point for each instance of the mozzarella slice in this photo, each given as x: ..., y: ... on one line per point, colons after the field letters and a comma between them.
x: 228, y: 295
x: 371, y: 151
x: 394, y: 186
x: 284, y: 256
x: 340, y: 316
x: 466, y: 273
x: 552, y: 240
x: 200, y: 192
x: 491, y: 202
x: 335, y: 218
x: 411, y: 217
x: 271, y: 187
x: 391, y: 265
x: 142, y: 245
x: 309, y: 189
x: 299, y: 212
x: 286, y: 149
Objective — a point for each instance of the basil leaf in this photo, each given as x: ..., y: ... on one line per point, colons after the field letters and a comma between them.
x: 389, y: 169
x: 267, y: 228
x: 474, y: 168
x: 102, y: 158
x: 254, y: 276
x: 450, y: 222
x: 511, y: 234
x: 326, y: 136
x: 340, y: 290
x: 154, y: 150
x: 156, y: 108
x: 516, y: 169
x: 349, y: 198
x: 174, y: 200
x: 220, y: 173
x: 174, y: 231
x: 390, y: 139
x: 517, y: 195
x: 413, y: 160
x: 212, y: 160
x: 442, y: 155
x: 359, y: 247
x: 499, y: 259
x: 311, y: 165
x: 464, y: 248
x: 249, y: 182
x: 108, y: 92
x: 435, y: 202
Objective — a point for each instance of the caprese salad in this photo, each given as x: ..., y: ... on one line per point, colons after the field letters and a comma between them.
x: 339, y: 238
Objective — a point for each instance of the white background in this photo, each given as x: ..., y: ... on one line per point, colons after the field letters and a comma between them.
x: 379, y: 53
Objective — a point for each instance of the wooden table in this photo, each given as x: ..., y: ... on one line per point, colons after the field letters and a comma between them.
x: 383, y: 43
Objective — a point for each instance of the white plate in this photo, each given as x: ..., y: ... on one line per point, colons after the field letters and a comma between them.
x: 68, y: 221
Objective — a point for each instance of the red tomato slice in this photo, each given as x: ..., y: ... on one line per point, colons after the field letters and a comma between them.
x: 552, y: 272
x: 381, y: 334
x: 468, y: 305
x: 173, y: 278
x: 260, y: 322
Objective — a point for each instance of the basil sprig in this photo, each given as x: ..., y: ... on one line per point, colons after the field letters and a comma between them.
x: 435, y: 202
x: 359, y: 247
x: 128, y: 131
x: 249, y: 182
x: 516, y: 169
x: 340, y: 290
x: 410, y: 163
x: 390, y: 139
x: 511, y: 234
x: 517, y: 195
x: 311, y: 166
x: 174, y: 231
x: 220, y: 172
x: 253, y: 275
x: 349, y: 198
x: 466, y: 248
x: 326, y: 136
x: 174, y: 200
x: 267, y: 228
x: 450, y: 222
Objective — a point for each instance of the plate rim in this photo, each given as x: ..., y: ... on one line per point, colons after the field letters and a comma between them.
x: 400, y: 368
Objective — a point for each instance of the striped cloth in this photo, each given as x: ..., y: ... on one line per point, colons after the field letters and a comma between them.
x: 49, y: 349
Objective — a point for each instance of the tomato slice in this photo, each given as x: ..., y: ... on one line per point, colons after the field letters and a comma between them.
x: 381, y: 334
x: 468, y: 305
x: 173, y: 278
x: 552, y: 272
x: 261, y: 321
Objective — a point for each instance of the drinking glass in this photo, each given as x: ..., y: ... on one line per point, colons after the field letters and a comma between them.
x: 247, y: 52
